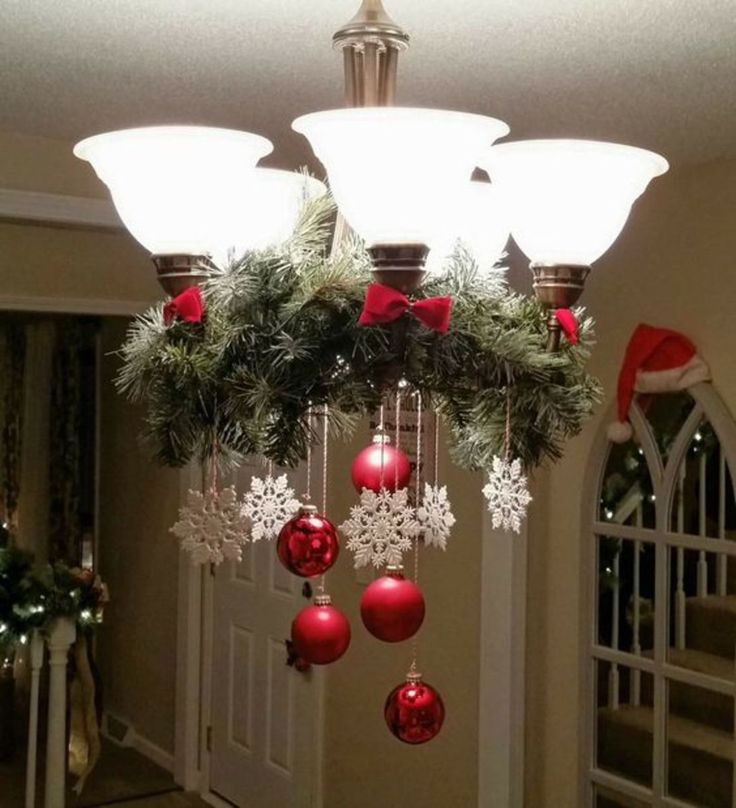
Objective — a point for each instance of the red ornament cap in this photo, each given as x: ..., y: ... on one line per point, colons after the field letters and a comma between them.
x: 414, y: 711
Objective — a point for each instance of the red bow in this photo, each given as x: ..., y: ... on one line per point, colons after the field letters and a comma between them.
x: 383, y: 304
x: 187, y: 307
x: 569, y: 325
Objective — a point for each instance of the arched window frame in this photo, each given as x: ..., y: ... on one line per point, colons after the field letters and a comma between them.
x: 707, y: 404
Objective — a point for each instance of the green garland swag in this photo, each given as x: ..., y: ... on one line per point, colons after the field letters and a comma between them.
x: 32, y: 598
x: 280, y: 335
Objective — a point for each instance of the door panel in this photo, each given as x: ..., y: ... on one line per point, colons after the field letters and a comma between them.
x: 264, y: 714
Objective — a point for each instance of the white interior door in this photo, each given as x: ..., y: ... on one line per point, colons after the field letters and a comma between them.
x: 264, y: 714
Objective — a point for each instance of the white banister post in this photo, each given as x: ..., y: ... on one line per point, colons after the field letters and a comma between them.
x: 613, y: 674
x: 722, y: 574
x: 635, y: 696
x: 702, y: 528
x: 61, y: 636
x: 680, y: 600
x: 36, y: 665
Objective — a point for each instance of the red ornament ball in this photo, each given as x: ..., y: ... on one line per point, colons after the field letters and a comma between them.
x: 414, y: 711
x: 380, y: 465
x: 308, y: 544
x: 392, y: 607
x: 320, y: 633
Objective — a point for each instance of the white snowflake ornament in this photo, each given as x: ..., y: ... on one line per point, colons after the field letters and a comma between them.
x: 212, y: 526
x: 507, y: 494
x: 381, y: 528
x: 269, y: 505
x: 435, y: 517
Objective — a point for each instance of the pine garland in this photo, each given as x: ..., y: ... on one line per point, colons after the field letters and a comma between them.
x: 281, y: 335
x: 33, y: 597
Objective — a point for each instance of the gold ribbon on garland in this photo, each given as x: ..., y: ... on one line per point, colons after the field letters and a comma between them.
x: 84, y: 740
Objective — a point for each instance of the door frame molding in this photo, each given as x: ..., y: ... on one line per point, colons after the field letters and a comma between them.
x: 502, y: 687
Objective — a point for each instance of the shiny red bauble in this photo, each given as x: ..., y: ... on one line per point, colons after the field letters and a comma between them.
x: 320, y: 633
x: 308, y: 544
x: 414, y: 711
x: 392, y: 607
x: 380, y: 465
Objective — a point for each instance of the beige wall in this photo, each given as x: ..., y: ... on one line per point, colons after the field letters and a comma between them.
x: 138, y: 560
x: 674, y: 267
x: 364, y: 765
x: 64, y: 263
x: 136, y: 646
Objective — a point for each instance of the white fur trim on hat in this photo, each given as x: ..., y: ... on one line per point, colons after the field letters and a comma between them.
x: 692, y: 372
x: 620, y: 432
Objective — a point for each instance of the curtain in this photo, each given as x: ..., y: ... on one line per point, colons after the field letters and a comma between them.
x: 65, y: 455
x: 12, y: 366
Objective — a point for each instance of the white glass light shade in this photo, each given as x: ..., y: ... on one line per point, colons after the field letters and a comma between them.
x: 270, y: 206
x: 568, y: 200
x: 479, y: 221
x: 178, y: 189
x: 396, y: 172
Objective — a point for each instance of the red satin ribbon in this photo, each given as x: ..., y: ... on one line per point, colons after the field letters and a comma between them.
x: 569, y: 325
x: 384, y: 304
x: 187, y: 307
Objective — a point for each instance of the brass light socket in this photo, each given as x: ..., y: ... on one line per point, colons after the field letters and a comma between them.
x: 400, y: 266
x: 558, y: 286
x: 179, y: 272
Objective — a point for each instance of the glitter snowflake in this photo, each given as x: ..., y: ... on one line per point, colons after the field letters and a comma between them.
x: 435, y: 517
x: 507, y: 494
x: 269, y: 505
x: 381, y: 528
x: 212, y: 526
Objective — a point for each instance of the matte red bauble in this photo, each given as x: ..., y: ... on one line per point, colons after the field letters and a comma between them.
x: 308, y: 544
x: 320, y: 633
x: 381, y: 465
x: 414, y: 710
x: 392, y: 608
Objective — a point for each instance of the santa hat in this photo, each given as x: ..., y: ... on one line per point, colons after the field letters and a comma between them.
x: 656, y: 361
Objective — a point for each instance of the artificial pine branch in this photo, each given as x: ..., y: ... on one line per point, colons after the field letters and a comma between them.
x: 281, y: 336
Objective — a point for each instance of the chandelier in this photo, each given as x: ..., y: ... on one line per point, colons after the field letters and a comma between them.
x: 401, y: 178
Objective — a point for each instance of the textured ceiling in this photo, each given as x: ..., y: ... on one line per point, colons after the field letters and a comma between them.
x: 656, y: 73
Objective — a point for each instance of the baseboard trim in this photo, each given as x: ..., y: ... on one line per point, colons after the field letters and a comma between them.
x: 132, y: 739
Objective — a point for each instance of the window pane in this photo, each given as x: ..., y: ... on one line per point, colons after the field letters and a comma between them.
x: 666, y: 414
x: 700, y: 745
x: 626, y: 594
x: 702, y: 623
x: 607, y: 798
x: 626, y: 495
x: 624, y: 722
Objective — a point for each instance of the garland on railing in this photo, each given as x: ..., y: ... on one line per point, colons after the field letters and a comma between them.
x: 279, y: 334
x: 32, y: 598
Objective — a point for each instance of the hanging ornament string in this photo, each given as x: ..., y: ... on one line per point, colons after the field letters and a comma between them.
x: 508, y: 424
x: 325, y: 414
x: 398, y: 433
x: 418, y: 483
x: 308, y: 491
x: 381, y: 431
x: 507, y: 489
x: 436, y: 449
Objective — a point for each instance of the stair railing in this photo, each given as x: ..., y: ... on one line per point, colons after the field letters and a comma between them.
x: 722, y: 564
x: 702, y: 527
x: 680, y: 600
